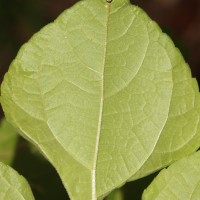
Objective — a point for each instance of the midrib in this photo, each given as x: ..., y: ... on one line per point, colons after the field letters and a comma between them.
x: 94, y: 195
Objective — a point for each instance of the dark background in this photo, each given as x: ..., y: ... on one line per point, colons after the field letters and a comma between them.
x: 20, y: 19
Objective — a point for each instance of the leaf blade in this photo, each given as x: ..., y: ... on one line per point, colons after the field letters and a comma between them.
x: 179, y: 181
x: 13, y: 186
x: 8, y: 140
x: 101, y: 93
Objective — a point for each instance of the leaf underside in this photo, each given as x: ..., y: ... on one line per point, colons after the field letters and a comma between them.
x: 12, y: 185
x: 105, y: 95
x: 181, y: 181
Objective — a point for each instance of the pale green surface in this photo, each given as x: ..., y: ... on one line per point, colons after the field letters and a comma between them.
x: 12, y: 185
x: 181, y: 181
x: 8, y: 140
x: 105, y: 95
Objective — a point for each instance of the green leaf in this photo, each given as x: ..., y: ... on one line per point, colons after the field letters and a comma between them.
x: 13, y: 186
x: 181, y: 181
x: 8, y: 140
x: 115, y: 195
x: 105, y: 95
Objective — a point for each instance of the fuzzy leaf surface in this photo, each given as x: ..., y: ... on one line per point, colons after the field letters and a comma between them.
x: 105, y: 95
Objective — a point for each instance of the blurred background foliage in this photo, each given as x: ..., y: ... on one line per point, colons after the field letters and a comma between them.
x: 20, y: 19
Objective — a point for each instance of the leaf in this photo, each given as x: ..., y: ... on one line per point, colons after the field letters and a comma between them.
x: 181, y: 181
x: 13, y: 186
x: 45, y: 182
x: 115, y: 195
x: 8, y: 140
x: 105, y: 95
